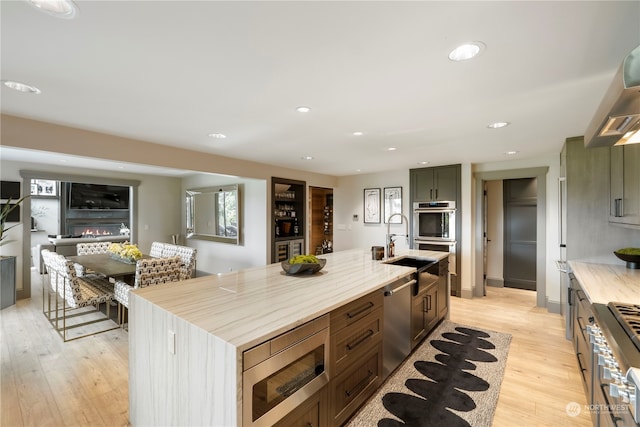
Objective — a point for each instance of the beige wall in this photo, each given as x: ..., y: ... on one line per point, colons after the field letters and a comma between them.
x: 35, y: 135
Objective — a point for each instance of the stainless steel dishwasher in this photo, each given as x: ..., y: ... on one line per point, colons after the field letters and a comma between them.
x: 397, y: 323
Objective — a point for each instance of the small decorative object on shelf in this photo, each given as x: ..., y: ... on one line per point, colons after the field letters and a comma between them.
x: 125, y: 252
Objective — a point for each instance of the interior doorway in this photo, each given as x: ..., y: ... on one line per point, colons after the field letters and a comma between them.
x: 320, y: 220
x: 480, y: 233
x: 510, y: 221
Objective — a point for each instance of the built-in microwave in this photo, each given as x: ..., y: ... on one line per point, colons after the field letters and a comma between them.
x: 434, y: 221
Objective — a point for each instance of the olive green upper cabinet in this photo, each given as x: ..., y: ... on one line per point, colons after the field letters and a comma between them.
x: 624, y: 203
x: 438, y: 183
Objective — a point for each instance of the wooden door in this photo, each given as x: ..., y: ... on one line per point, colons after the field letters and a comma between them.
x: 320, y: 220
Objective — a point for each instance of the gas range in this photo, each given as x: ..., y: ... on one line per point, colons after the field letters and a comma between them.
x: 615, y: 339
x: 628, y: 316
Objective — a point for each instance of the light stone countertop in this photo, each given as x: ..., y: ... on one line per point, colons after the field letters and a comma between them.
x: 604, y: 283
x: 244, y: 308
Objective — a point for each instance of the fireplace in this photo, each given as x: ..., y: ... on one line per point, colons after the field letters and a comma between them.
x: 91, y: 229
x: 90, y: 215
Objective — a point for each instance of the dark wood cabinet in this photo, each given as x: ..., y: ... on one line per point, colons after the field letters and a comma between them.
x: 430, y: 305
x: 288, y: 218
x: 355, y: 363
x: 582, y: 316
x: 443, y: 289
x: 438, y: 183
x: 625, y: 185
x: 312, y: 413
x: 441, y: 183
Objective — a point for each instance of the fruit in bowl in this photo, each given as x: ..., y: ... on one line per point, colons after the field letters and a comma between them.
x: 630, y: 255
x: 303, y: 264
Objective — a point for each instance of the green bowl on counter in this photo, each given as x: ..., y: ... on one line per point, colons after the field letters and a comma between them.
x: 629, y: 255
x: 303, y: 268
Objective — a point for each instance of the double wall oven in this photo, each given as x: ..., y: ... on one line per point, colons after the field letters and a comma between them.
x: 434, y: 229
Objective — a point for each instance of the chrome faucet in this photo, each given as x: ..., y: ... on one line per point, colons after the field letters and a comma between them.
x: 390, y: 236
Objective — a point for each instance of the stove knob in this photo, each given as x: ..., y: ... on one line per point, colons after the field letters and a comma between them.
x: 614, y: 389
x: 624, y: 393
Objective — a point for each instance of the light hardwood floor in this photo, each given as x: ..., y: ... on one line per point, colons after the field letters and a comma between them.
x: 46, y: 382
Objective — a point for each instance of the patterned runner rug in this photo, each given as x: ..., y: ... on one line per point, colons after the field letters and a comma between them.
x: 452, y: 379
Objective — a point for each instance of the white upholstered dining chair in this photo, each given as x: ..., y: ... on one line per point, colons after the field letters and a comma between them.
x: 149, y: 272
x: 73, y: 294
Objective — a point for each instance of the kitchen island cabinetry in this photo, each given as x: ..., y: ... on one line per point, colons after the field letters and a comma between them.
x: 356, y: 355
x: 430, y: 305
x: 187, y: 340
x: 624, y: 203
x: 437, y: 183
x: 312, y: 413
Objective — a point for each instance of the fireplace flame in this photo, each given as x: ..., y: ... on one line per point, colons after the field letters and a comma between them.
x: 96, y: 232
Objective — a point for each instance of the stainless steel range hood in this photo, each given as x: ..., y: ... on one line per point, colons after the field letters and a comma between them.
x: 619, y: 111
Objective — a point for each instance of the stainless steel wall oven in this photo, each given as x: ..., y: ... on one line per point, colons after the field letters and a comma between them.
x: 434, y: 229
x: 434, y: 221
x: 283, y: 372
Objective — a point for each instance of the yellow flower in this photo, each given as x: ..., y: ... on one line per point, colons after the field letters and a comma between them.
x: 126, y: 250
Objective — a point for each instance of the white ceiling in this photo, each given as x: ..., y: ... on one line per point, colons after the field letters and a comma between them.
x: 171, y: 72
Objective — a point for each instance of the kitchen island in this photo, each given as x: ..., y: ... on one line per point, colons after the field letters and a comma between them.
x: 186, y: 339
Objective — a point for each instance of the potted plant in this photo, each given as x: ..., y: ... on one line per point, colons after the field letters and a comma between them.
x: 4, y: 214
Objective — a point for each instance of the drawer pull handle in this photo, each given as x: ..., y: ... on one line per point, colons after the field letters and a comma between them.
x: 364, y: 308
x: 360, y: 386
x: 360, y: 340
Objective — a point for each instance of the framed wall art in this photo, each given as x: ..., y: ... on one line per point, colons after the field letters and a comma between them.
x: 44, y: 188
x: 392, y: 204
x: 371, y: 205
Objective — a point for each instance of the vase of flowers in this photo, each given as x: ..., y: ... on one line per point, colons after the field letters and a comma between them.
x: 125, y: 252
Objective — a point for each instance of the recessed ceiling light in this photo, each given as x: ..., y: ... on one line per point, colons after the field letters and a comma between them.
x: 391, y: 149
x: 217, y: 135
x: 21, y: 87
x: 358, y: 133
x: 423, y: 163
x: 307, y: 157
x: 498, y: 125
x: 303, y: 109
x: 466, y: 51
x: 511, y: 153
x: 358, y: 170
x: 59, y: 8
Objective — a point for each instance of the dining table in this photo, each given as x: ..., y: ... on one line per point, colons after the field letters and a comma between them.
x: 105, y: 265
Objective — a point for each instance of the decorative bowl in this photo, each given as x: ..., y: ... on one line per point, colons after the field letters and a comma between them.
x: 303, y: 268
x: 633, y: 261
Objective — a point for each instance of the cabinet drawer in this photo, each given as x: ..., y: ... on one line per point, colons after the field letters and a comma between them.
x: 352, y: 342
x: 350, y: 389
x: 355, y: 310
x: 312, y: 413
